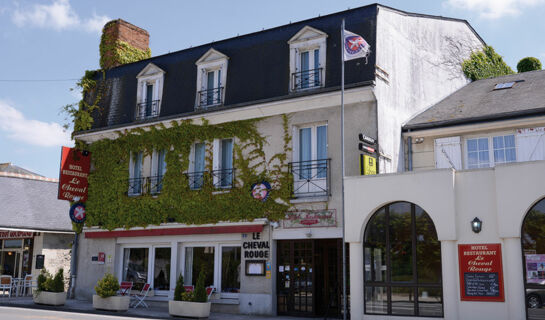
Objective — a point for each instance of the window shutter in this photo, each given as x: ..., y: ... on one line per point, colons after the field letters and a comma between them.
x: 530, y: 144
x: 448, y: 150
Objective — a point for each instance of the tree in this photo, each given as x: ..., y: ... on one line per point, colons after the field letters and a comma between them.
x: 528, y: 64
x: 485, y: 64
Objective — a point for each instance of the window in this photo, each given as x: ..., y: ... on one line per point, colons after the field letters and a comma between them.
x: 402, y: 263
x: 226, y: 166
x: 161, y: 269
x: 311, y: 165
x: 196, y: 177
x: 149, y: 92
x: 230, y: 270
x: 307, y: 59
x: 135, y: 173
x: 197, y: 259
x: 135, y: 266
x: 159, y: 167
x: 211, y: 71
x: 479, y: 155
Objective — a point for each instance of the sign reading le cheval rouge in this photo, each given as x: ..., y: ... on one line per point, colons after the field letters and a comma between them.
x: 481, y: 275
x: 75, y: 165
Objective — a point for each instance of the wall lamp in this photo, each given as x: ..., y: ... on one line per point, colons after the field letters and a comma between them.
x: 476, y: 225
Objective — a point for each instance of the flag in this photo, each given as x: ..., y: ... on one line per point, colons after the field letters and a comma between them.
x: 355, y: 46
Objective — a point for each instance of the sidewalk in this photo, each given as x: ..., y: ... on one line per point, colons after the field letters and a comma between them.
x: 157, y: 310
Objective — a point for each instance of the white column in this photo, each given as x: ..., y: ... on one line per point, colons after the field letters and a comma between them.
x: 449, y: 266
x: 356, y: 281
x: 173, y: 267
x: 513, y: 278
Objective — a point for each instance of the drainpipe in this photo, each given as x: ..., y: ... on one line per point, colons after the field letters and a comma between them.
x: 73, y: 269
x: 410, y: 152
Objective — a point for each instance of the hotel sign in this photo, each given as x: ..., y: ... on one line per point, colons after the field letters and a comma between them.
x: 310, y: 218
x: 75, y: 166
x: 10, y: 234
x: 481, y: 273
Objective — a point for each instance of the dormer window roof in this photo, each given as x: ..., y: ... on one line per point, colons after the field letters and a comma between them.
x: 211, y: 79
x: 307, y: 59
x: 149, y: 92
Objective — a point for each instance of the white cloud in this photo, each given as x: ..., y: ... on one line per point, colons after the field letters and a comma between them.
x: 495, y: 9
x: 59, y: 15
x: 33, y: 132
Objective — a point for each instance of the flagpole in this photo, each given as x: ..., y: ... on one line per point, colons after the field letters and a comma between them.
x: 343, y: 172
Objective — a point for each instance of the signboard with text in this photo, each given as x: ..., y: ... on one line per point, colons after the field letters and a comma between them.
x: 310, y: 219
x: 481, y: 272
x: 12, y: 234
x: 75, y: 166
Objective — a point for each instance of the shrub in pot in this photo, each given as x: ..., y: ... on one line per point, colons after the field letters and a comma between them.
x: 50, y: 289
x: 190, y: 304
x: 107, y: 298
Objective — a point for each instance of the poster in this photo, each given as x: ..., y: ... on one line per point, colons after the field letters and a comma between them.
x: 481, y: 272
x: 535, y: 268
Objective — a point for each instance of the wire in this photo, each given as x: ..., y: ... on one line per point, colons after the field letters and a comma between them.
x: 36, y: 80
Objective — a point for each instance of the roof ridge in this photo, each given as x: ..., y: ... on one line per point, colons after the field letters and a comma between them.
x: 27, y: 176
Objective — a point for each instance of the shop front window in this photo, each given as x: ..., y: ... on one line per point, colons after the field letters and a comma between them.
x: 199, y: 259
x: 135, y: 266
x: 230, y: 269
x: 533, y: 246
x: 161, y: 270
x: 402, y: 263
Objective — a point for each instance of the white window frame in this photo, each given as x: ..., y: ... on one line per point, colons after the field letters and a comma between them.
x: 216, y: 159
x: 307, y: 39
x: 150, y: 75
x: 191, y: 166
x: 491, y: 161
x: 211, y: 61
x: 131, y: 169
x: 320, y: 184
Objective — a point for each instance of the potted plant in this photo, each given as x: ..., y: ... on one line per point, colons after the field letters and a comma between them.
x: 190, y: 304
x: 50, y: 289
x: 107, y: 298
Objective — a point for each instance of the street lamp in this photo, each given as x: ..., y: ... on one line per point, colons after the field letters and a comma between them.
x: 476, y: 225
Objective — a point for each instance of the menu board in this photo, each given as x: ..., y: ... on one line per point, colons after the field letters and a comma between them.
x: 481, y: 273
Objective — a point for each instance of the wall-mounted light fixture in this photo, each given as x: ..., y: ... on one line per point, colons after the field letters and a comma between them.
x: 476, y: 225
x: 418, y: 140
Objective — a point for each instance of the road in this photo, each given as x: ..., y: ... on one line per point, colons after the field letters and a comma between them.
x: 10, y: 313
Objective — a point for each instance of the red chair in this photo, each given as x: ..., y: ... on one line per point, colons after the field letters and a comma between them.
x: 140, y: 297
x: 125, y: 288
x: 189, y: 288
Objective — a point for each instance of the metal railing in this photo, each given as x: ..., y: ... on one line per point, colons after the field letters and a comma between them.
x: 311, y: 178
x: 307, y: 79
x: 151, y: 185
x: 210, y: 97
x: 147, y: 109
x: 220, y: 179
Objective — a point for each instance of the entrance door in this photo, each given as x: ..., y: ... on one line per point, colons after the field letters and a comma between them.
x: 161, y: 270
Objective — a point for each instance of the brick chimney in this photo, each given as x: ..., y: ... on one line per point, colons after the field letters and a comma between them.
x: 116, y: 35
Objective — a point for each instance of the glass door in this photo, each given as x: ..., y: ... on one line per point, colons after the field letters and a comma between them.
x: 161, y: 270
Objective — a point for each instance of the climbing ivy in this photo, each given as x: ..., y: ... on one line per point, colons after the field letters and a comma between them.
x: 120, y: 52
x: 109, y: 206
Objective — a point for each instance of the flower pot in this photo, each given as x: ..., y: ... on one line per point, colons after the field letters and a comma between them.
x: 189, y: 309
x: 50, y: 298
x: 115, y: 303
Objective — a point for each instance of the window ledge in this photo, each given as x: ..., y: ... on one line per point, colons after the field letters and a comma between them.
x: 225, y: 301
x: 310, y: 199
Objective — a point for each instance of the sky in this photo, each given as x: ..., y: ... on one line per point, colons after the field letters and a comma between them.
x: 57, y: 40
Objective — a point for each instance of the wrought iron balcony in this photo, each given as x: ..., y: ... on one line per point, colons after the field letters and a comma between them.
x: 307, y: 79
x: 147, y: 110
x: 210, y: 97
x: 151, y: 185
x: 220, y: 179
x: 311, y: 178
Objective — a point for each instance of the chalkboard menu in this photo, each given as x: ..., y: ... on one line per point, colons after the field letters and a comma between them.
x: 40, y: 261
x: 482, y: 284
x: 481, y: 274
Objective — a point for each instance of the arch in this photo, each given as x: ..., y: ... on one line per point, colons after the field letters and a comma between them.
x: 532, y: 238
x: 402, y: 262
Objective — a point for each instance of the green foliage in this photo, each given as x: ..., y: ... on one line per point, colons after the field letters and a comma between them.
x: 107, y: 286
x: 109, y: 206
x: 528, y: 64
x: 118, y: 52
x: 200, y: 290
x: 188, y: 296
x: 179, y: 290
x: 48, y: 283
x: 485, y: 64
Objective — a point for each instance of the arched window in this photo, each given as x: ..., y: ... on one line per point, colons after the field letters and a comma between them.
x: 402, y: 267
x: 533, y: 247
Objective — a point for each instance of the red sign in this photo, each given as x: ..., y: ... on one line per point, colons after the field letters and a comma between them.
x: 75, y: 166
x: 481, y: 272
x: 101, y: 257
x: 15, y: 234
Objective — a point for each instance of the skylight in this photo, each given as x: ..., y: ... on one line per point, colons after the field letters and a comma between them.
x: 505, y: 85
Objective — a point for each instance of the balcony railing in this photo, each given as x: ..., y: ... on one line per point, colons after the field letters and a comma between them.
x: 151, y: 185
x: 147, y: 109
x: 307, y: 79
x: 210, y: 97
x: 311, y: 178
x: 220, y: 179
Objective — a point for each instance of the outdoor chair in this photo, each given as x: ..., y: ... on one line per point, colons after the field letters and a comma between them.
x: 6, y: 284
x: 125, y: 288
x: 27, y: 285
x: 210, y: 291
x: 138, y: 299
x: 189, y: 288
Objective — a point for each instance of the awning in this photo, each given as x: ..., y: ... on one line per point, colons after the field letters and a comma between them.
x: 174, y: 231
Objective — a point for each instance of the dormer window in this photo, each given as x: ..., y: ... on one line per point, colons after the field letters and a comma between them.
x: 211, y: 76
x: 307, y: 59
x: 149, y: 92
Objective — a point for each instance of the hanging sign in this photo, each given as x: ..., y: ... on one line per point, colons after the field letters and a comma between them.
x: 261, y: 190
x: 481, y: 274
x: 75, y: 165
x: 77, y: 212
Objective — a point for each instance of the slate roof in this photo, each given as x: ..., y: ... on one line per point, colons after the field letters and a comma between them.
x: 28, y: 203
x: 479, y: 102
x: 10, y: 168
